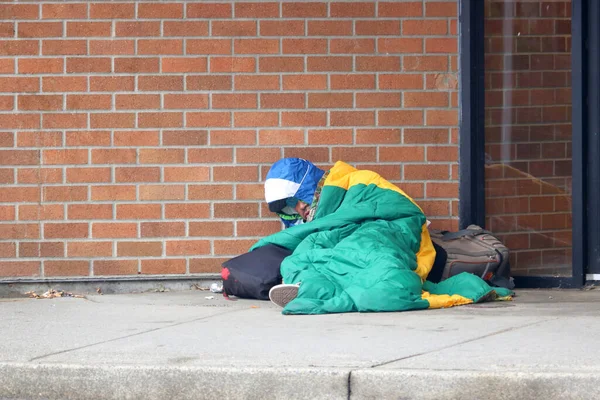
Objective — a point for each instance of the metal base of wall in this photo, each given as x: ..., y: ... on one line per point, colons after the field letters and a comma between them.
x: 107, y: 285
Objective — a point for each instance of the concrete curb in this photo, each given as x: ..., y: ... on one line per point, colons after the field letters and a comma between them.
x: 56, y: 381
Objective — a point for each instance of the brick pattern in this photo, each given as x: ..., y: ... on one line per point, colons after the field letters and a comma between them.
x: 528, y: 132
x: 135, y: 135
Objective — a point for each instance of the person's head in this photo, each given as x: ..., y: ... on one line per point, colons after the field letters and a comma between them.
x: 289, y: 189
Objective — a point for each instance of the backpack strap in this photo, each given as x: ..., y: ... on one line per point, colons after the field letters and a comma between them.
x: 464, y: 232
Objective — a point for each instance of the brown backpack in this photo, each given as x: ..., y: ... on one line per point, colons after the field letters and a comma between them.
x: 476, y: 251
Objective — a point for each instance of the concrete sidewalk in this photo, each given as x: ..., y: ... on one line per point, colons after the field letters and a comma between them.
x: 542, y: 345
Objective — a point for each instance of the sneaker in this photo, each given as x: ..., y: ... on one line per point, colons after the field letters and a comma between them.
x: 283, y: 294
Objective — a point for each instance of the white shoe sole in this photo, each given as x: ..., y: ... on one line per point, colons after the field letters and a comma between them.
x: 283, y: 294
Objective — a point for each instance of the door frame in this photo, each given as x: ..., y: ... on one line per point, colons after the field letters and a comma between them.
x: 585, y: 63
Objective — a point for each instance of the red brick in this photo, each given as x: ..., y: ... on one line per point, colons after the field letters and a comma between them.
x: 112, y: 47
x: 65, y: 11
x: 425, y: 172
x: 89, y: 211
x: 187, y: 210
x: 425, y: 99
x: 137, y: 138
x: 10, y: 47
x: 66, y: 268
x: 187, y: 174
x: 163, y: 266
x: 400, y: 9
x: 185, y: 28
x: 137, y: 174
x: 441, y: 9
x: 282, y: 100
x: 233, y: 101
x: 257, y: 10
x: 115, y: 267
x: 206, y: 265
x: 442, y: 190
x: 304, y: 118
x: 19, y: 231
x: 352, y: 118
x: 6, y: 175
x: 329, y: 63
x: 254, y: 155
x: 352, y: 46
x: 400, y: 117
x: 19, y: 268
x: 235, y: 210
x: 64, y: 84
x: 162, y: 192
x: 114, y: 230
x: 139, y: 211
x: 7, y: 213
x: 64, y: 193
x: 19, y: 11
x: 154, y: 83
x: 211, y: 155
x: 137, y: 101
x: 7, y: 139
x: 88, y: 29
x: 425, y: 27
x: 304, y: 82
x: 378, y: 136
x: 233, y: 28
x: 162, y: 229
x: 89, y: 102
x: 261, y: 82
x: 352, y: 9
x: 378, y: 99
x: 187, y: 247
x: 304, y: 46
x: 188, y: 64
x: 401, y: 81
x: 282, y: 28
x: 138, y: 28
x: 399, y: 45
x: 113, y: 192
x: 401, y: 153
x: 354, y: 153
x: 232, y: 64
x: 377, y: 63
x: 64, y: 47
x: 137, y: 64
x: 330, y: 100
x: 208, y: 119
x: 251, y: 191
x: 39, y: 175
x: 40, y: 102
x: 111, y: 83
x: 7, y: 66
x: 8, y: 250
x: 209, y: 10
x: 71, y: 120
x: 139, y: 249
x: 83, y: 65
x: 256, y: 46
x: 352, y: 81
x: 232, y: 137
x: 235, y: 174
x: 19, y: 85
x: 185, y: 138
x: 39, y: 29
x: 209, y: 46
x: 160, y: 46
x: 112, y: 10
x: 212, y: 228
x: 425, y: 63
x: 185, y: 101
x: 7, y: 29
x: 303, y: 10
x: 281, y: 64
x: 442, y: 153
x: 442, y: 117
x: 377, y: 28
x: 269, y: 137
x: 426, y: 136
x: 329, y: 136
x: 208, y: 82
x: 88, y: 175
x: 161, y: 156
x: 20, y: 121
x: 112, y: 120
x: 159, y: 11
x: 315, y: 154
x: 160, y: 120
x: 65, y: 230
x: 441, y: 45
x: 114, y: 156
x: 330, y: 28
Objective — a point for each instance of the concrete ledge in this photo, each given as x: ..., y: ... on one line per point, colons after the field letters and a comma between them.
x: 473, y: 385
x: 57, y: 381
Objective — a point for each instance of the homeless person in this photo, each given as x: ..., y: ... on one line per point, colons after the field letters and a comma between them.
x: 359, y: 244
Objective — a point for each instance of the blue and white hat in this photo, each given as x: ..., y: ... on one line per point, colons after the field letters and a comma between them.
x: 291, y: 178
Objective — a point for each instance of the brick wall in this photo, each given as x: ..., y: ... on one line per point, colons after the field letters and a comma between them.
x: 135, y: 135
x: 528, y: 132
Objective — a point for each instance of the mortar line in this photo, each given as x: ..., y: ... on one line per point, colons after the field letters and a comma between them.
x: 463, y: 342
x: 129, y: 336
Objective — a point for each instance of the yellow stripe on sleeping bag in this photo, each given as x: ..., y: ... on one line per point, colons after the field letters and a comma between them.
x: 444, y: 300
x: 344, y: 176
